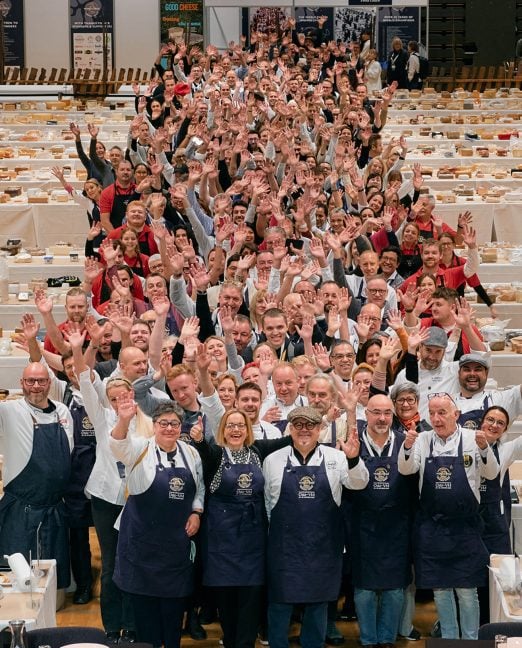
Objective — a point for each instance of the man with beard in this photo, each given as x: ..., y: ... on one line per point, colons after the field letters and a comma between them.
x: 75, y: 309
x: 37, y: 438
x: 473, y: 400
x: 330, y: 293
x: 434, y: 372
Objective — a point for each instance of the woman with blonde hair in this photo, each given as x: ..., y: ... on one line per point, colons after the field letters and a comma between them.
x: 235, y: 525
x: 397, y: 64
x: 106, y: 485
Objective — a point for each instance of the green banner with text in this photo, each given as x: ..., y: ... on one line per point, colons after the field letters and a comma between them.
x: 182, y: 21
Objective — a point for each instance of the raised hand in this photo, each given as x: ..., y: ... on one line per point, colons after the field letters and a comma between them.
x: 463, y: 313
x: 190, y: 329
x: 226, y: 319
x: 30, y: 326
x: 352, y: 445
x: 127, y: 407
x: 93, y: 130
x: 389, y: 348
x: 161, y: 305
x: 415, y: 339
x: 306, y: 329
x: 43, y: 303
x: 321, y: 357
x: 394, y: 319
x: 74, y: 335
x: 94, y: 329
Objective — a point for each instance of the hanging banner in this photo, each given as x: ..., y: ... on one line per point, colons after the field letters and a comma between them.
x: 403, y: 22
x: 92, y: 32
x: 182, y: 22
x: 12, y: 12
x: 306, y: 21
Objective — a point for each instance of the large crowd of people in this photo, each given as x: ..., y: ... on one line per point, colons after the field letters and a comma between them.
x: 269, y: 393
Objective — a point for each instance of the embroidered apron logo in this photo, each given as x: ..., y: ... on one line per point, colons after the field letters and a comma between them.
x: 381, y: 476
x: 306, y: 486
x: 443, y: 478
x: 244, y: 482
x: 176, y: 485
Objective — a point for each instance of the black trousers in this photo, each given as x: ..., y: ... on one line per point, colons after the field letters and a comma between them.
x: 239, y: 614
x: 80, y: 551
x: 158, y: 620
x: 116, y: 609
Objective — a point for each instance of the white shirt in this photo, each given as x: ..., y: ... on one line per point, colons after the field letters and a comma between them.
x: 336, y: 466
x: 300, y: 401
x: 16, y: 431
x: 510, y: 399
x: 213, y: 408
x: 431, y: 381
x: 105, y: 481
x: 414, y: 460
x: 141, y: 476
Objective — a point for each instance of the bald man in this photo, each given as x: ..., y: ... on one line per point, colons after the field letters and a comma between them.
x: 37, y: 435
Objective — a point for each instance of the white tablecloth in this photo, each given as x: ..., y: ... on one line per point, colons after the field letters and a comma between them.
x: 45, y: 224
x: 43, y: 615
x: 61, y: 266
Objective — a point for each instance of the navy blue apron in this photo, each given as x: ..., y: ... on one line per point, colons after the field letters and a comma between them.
x: 153, y: 556
x: 448, y: 549
x: 333, y: 437
x: 305, y: 538
x: 35, y: 496
x: 472, y: 419
x: 496, y: 526
x: 83, y: 456
x: 235, y: 527
x: 281, y: 424
x: 381, y: 522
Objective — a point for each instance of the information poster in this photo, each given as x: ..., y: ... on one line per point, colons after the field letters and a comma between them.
x: 403, y: 22
x: 306, y: 21
x: 182, y: 22
x: 92, y: 29
x: 12, y: 12
x: 349, y: 23
x: 268, y: 20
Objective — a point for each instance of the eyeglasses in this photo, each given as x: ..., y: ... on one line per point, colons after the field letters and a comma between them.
x: 304, y: 425
x: 164, y: 424
x: 33, y: 381
x: 377, y: 291
x: 343, y: 356
x: 379, y: 413
x: 441, y: 395
x: 410, y: 400
x: 492, y: 421
x: 235, y: 426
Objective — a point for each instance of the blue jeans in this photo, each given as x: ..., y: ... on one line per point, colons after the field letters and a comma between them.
x: 447, y: 611
x: 378, y: 614
x: 313, y: 626
x: 408, y: 611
